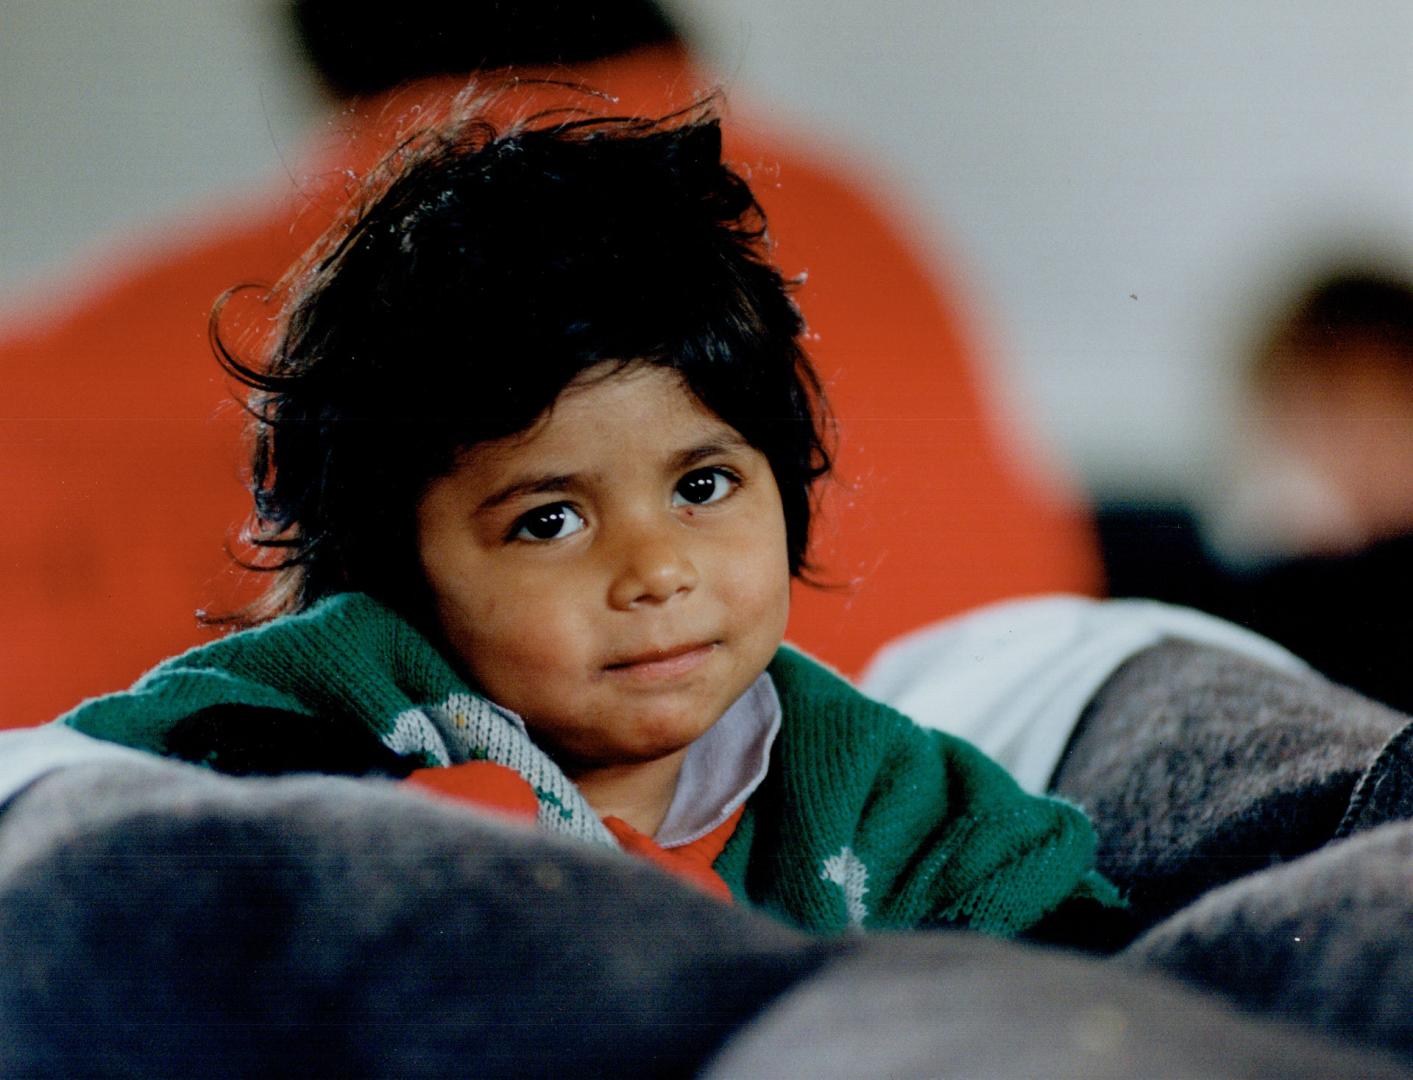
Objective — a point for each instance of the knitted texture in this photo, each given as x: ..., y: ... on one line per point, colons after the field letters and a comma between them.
x: 866, y: 820
x: 352, y: 659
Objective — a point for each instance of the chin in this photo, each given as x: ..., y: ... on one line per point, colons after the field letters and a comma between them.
x: 659, y: 746
x: 651, y: 741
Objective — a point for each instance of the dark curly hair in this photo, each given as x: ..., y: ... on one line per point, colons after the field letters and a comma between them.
x: 480, y: 274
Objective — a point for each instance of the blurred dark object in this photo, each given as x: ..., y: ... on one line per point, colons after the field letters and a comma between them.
x: 1349, y: 615
x: 414, y: 39
x: 1154, y: 549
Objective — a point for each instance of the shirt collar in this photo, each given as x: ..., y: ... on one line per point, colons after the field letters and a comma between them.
x: 721, y: 770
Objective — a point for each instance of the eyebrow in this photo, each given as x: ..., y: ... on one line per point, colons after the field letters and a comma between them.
x: 530, y: 485
x: 549, y: 482
x: 685, y: 459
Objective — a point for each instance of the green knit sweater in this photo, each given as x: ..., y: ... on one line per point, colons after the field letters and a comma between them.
x: 864, y: 819
x: 867, y: 820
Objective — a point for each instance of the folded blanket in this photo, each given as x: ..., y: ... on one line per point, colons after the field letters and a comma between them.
x: 1199, y: 766
x: 1325, y: 939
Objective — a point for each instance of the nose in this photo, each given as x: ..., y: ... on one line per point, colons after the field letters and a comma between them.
x: 653, y: 565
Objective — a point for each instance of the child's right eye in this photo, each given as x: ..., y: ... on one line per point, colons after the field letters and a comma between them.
x: 553, y: 522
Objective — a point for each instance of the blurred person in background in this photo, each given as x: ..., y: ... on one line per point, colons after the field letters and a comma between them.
x: 1328, y: 463
x: 1312, y: 541
x: 114, y: 533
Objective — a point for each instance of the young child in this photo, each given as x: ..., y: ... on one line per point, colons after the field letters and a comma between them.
x: 535, y: 450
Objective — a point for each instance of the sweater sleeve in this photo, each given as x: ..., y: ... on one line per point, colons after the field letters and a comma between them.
x: 867, y: 820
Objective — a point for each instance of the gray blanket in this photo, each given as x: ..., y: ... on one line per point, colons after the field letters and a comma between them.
x: 157, y: 920
x: 1277, y: 803
x: 1199, y: 766
x: 1326, y: 940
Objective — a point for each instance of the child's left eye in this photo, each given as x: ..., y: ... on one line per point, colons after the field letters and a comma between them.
x: 702, y: 486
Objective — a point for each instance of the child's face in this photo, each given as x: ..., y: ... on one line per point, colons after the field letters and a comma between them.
x: 617, y: 575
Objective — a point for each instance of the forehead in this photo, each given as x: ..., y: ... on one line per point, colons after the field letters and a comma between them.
x: 641, y: 408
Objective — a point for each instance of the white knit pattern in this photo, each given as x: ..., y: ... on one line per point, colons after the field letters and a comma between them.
x: 848, y: 871
x: 412, y: 732
x: 467, y: 727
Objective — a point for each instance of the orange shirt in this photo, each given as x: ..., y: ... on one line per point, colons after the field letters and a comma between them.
x: 499, y: 790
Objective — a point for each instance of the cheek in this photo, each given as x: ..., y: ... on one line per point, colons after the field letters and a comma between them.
x: 510, y: 636
x: 756, y: 574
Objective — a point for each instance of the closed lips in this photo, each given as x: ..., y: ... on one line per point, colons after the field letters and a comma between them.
x: 657, y: 656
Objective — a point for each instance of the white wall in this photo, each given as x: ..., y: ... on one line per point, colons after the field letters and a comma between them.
x: 1119, y: 180
x: 117, y: 113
